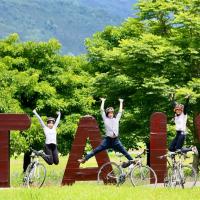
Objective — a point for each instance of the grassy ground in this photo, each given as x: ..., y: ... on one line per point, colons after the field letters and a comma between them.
x: 85, y: 190
x: 93, y: 192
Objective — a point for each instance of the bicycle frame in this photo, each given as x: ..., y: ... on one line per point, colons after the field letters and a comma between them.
x: 177, y: 176
x: 35, y: 173
x: 138, y: 173
x: 130, y: 168
x: 127, y: 171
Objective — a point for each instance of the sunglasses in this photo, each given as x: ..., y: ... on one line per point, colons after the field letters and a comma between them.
x: 178, y: 110
x: 50, y: 122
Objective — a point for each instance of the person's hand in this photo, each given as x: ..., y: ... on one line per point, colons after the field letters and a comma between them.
x: 187, y: 96
x: 58, y: 112
x: 102, y: 99
x: 34, y: 110
x: 121, y: 100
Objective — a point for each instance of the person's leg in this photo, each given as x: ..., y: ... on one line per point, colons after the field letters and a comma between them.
x: 104, y: 145
x: 117, y: 145
x: 55, y: 154
x: 187, y: 149
x: 27, y: 160
x: 180, y: 141
x: 48, y: 152
x: 173, y: 144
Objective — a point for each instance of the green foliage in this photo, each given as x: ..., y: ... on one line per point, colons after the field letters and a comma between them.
x: 155, y: 55
x: 34, y: 75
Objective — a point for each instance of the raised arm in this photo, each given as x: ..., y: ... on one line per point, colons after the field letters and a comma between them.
x: 39, y: 118
x: 102, y: 107
x: 121, y: 105
x: 102, y: 103
x: 58, y: 119
x: 119, y: 114
x: 172, y: 99
x: 186, y: 105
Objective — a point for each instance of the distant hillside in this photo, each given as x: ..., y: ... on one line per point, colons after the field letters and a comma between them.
x: 70, y: 21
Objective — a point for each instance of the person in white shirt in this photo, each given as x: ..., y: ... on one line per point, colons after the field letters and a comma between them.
x: 50, y: 147
x: 180, y: 119
x: 111, y: 139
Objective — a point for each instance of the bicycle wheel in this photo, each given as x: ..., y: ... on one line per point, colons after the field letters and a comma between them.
x: 143, y: 176
x: 36, y: 176
x: 188, y: 176
x: 27, y: 172
x: 109, y: 173
x: 168, y: 179
x: 173, y: 178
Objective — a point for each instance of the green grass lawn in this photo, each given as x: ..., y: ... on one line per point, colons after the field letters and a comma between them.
x: 86, y: 190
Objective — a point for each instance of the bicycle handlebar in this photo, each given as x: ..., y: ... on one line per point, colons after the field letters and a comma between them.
x: 170, y: 154
x: 143, y: 152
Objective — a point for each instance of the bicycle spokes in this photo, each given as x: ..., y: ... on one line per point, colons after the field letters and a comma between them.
x: 36, y: 175
x: 181, y: 176
x: 143, y: 176
x: 109, y: 173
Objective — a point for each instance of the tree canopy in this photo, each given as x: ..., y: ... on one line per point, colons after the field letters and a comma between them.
x: 34, y: 75
x: 147, y: 58
x: 143, y: 61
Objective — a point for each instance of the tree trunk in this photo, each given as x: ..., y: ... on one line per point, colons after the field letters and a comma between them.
x: 196, y: 158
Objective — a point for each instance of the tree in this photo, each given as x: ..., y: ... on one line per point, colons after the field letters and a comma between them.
x: 35, y: 75
x: 145, y: 60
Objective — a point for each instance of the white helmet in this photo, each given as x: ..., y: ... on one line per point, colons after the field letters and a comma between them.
x: 109, y: 109
x: 51, y: 119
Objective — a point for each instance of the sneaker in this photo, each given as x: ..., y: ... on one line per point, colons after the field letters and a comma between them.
x: 82, y: 160
x: 127, y: 164
x: 195, y: 150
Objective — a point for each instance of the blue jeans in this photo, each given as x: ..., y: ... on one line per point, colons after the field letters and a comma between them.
x: 113, y: 143
x: 178, y: 141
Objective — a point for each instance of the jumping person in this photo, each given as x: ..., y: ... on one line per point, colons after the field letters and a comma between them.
x: 50, y: 147
x: 111, y: 140
x: 180, y: 119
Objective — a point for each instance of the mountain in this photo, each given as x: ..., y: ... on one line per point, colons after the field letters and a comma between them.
x: 70, y: 21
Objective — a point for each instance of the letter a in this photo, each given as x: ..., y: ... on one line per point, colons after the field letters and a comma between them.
x: 87, y: 128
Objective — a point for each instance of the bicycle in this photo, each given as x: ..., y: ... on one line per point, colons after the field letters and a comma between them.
x: 179, y: 174
x: 139, y: 174
x: 35, y: 174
